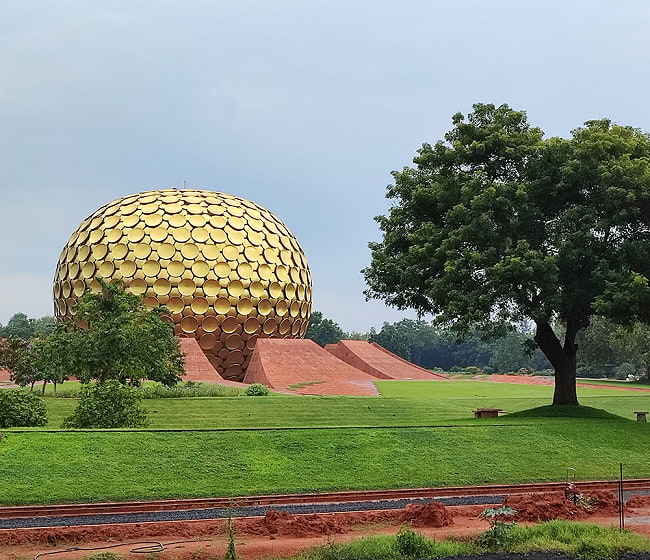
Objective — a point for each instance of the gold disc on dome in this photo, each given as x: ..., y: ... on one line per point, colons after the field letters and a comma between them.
x: 251, y: 325
x: 197, y: 220
x: 88, y: 270
x: 256, y: 289
x: 176, y: 268
x: 210, y: 252
x: 281, y: 308
x: 135, y: 235
x: 138, y: 286
x: 222, y: 269
x: 189, y: 324
x: 275, y: 290
x: 211, y: 287
x: 180, y: 234
x: 201, y: 269
x: 162, y: 286
x: 235, y: 288
x: 234, y: 342
x: 106, y: 269
x: 190, y: 251
x: 200, y: 235
x: 222, y: 305
x: 166, y: 251
x: 119, y: 251
x: 229, y: 325
x: 264, y: 307
x: 151, y: 268
x: 127, y: 269
x: 244, y: 270
x: 199, y: 305
x: 186, y: 286
x: 208, y: 341
x: 159, y: 234
x: 230, y: 252
x: 244, y: 306
x: 175, y: 304
x: 152, y: 220
x: 265, y: 271
x: 210, y: 324
x: 141, y: 250
x: 99, y: 251
x: 269, y: 326
x: 218, y: 236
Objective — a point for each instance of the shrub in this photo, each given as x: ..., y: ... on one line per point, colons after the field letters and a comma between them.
x: 21, y: 408
x: 257, y: 390
x: 411, y: 544
x: 107, y: 405
x: 498, y: 536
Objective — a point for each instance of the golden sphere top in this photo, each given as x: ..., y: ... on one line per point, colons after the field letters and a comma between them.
x: 228, y: 270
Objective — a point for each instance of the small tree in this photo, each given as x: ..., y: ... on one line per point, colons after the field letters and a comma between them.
x: 107, y: 405
x: 115, y: 337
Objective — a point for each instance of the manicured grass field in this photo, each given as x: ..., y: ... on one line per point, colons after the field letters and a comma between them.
x: 424, y: 435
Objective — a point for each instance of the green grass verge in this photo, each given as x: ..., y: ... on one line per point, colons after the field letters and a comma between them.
x: 579, y: 540
x: 444, y: 446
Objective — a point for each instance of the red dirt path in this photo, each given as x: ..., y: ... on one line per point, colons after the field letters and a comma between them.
x: 281, y: 534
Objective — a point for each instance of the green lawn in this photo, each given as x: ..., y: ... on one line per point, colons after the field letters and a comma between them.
x: 444, y: 444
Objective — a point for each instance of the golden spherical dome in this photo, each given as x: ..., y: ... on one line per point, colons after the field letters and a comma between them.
x: 228, y: 270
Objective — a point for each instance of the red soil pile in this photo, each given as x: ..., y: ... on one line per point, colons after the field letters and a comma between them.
x: 553, y: 505
x: 283, y: 523
x: 433, y: 514
x: 642, y: 502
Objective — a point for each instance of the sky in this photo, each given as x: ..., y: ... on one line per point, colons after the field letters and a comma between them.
x: 304, y: 107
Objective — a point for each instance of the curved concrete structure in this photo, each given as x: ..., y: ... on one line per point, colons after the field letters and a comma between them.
x: 375, y: 360
x: 303, y: 367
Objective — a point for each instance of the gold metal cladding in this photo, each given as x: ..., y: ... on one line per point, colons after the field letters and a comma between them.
x: 138, y: 286
x: 166, y: 251
x: 211, y: 287
x: 199, y: 305
x: 222, y: 269
x: 210, y: 324
x: 229, y: 325
x: 228, y: 270
x: 222, y: 305
x: 162, y: 287
x: 141, y: 250
x: 176, y: 268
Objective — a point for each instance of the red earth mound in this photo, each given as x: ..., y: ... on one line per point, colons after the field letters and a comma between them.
x: 553, y: 505
x: 433, y: 514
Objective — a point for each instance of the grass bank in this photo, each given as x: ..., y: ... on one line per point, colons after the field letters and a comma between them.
x: 423, y: 435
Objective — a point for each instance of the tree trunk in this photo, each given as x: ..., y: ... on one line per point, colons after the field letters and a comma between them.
x: 562, y: 358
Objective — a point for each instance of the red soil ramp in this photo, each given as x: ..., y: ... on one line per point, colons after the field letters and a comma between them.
x: 197, y: 365
x: 377, y: 361
x: 302, y: 366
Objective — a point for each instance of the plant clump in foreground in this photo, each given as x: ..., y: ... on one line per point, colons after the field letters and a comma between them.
x: 21, y: 408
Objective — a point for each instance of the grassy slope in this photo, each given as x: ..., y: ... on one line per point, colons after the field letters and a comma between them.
x: 457, y: 450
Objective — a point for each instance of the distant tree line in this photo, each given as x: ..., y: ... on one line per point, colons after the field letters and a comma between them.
x: 604, y: 349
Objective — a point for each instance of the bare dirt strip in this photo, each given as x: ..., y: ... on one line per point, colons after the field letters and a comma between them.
x: 281, y: 534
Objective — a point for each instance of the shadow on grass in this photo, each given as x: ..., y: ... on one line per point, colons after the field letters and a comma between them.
x: 566, y: 411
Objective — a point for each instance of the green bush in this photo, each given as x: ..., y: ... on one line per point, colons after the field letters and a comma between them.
x: 20, y: 408
x: 187, y: 389
x: 412, y: 545
x: 257, y: 390
x: 107, y: 405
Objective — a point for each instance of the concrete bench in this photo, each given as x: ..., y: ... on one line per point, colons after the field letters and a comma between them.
x: 488, y: 412
x: 641, y: 416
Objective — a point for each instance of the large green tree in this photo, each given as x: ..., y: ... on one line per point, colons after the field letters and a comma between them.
x: 496, y: 224
x: 114, y: 336
x: 323, y: 330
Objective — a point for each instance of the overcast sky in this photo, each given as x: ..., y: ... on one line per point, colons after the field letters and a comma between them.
x: 303, y: 106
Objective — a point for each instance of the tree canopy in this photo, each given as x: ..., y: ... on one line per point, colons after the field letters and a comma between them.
x: 496, y: 224
x: 323, y: 330
x: 114, y: 336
